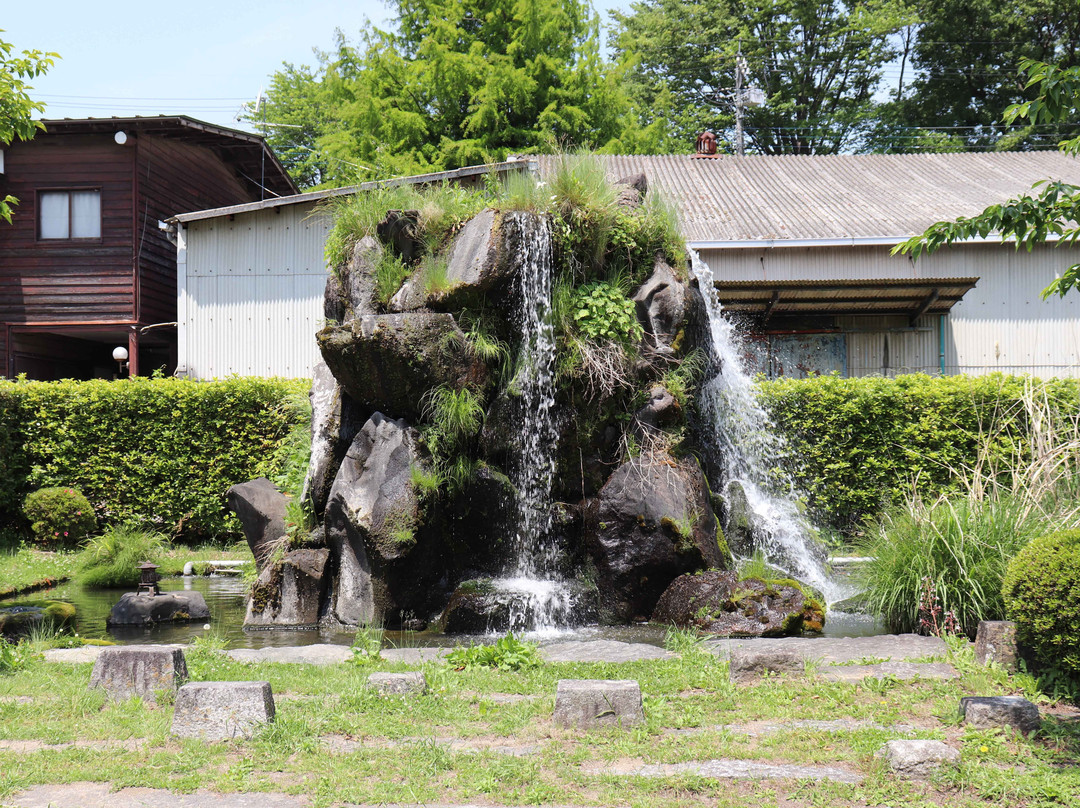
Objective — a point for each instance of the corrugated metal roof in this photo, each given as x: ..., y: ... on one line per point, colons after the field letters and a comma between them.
x: 833, y: 197
x: 912, y: 297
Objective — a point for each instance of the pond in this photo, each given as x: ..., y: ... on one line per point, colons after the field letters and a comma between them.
x: 225, y: 597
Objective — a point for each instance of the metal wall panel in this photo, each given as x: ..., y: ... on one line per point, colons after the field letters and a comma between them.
x: 255, y: 293
x: 1001, y: 325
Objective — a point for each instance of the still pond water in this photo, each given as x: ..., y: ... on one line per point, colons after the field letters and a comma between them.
x: 225, y: 598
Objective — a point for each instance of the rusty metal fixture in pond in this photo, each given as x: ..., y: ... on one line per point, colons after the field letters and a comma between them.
x: 148, y: 579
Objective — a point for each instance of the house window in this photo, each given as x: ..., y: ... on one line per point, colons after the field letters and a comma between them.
x: 69, y: 214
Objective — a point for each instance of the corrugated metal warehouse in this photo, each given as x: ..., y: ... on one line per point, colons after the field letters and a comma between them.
x: 799, y: 246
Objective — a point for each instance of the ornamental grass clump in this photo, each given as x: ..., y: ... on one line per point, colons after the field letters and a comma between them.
x: 959, y: 544
x: 59, y: 517
x: 112, y: 560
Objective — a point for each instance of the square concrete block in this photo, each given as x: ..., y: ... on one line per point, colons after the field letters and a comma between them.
x: 587, y: 703
x: 996, y: 642
x: 219, y: 711
x: 917, y: 759
x: 987, y: 712
x: 124, y: 671
x: 748, y: 665
x: 398, y: 684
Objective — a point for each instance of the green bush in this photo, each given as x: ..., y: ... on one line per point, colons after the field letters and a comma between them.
x: 159, y: 452
x: 1042, y: 594
x: 857, y: 446
x: 602, y: 313
x: 59, y: 517
x: 112, y: 560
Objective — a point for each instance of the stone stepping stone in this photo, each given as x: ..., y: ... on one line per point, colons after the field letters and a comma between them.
x: 75, y: 656
x: 731, y: 770
x: 220, y: 711
x: 317, y: 654
x: 498, y: 698
x: 995, y: 642
x: 890, y: 647
x: 125, y: 671
x: 917, y: 759
x: 340, y: 744
x: 905, y: 671
x: 602, y: 651
x: 398, y: 684
x: 748, y: 665
x: 23, y: 747
x: 590, y: 703
x: 414, y: 656
x: 100, y: 795
x: 989, y: 712
x: 764, y: 728
x: 16, y: 700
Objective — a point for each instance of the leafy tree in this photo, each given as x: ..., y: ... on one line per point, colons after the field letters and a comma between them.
x: 16, y: 107
x: 959, y: 67
x: 1054, y: 209
x: 818, y: 61
x: 452, y: 84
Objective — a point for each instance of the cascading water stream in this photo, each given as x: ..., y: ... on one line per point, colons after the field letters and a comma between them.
x: 747, y: 445
x: 539, y: 600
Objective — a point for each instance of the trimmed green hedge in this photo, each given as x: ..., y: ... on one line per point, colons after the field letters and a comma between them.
x: 858, y: 444
x: 161, y: 452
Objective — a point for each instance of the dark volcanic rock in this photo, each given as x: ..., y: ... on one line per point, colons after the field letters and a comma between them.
x: 334, y: 423
x: 289, y: 593
x: 652, y: 522
x: 718, y: 603
x: 168, y: 607
x: 632, y: 190
x: 484, y: 606
x: 260, y: 507
x: 350, y: 288
x: 661, y: 306
x: 374, y: 522
x: 738, y: 523
x: 387, y: 363
x: 660, y: 411
x: 398, y: 230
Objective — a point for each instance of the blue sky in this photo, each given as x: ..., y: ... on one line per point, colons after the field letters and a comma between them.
x: 201, y: 58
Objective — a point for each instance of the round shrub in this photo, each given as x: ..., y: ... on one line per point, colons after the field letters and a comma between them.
x: 59, y: 517
x: 1042, y: 594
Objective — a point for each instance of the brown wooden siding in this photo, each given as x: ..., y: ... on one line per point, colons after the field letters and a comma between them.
x: 174, y: 177
x: 67, y: 281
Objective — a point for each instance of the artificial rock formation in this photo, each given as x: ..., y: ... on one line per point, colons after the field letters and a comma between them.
x: 260, y: 507
x: 418, y: 524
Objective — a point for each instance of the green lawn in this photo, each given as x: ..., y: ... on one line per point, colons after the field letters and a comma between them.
x: 336, y: 742
x: 23, y: 567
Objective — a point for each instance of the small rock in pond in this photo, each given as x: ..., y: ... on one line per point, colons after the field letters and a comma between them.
x: 135, y: 609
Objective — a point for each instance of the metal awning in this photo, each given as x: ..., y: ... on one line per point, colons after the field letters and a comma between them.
x: 911, y: 297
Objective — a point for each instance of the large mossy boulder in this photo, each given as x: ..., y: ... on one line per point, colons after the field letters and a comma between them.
x: 652, y: 522
x: 717, y: 602
x: 661, y: 305
x: 24, y: 619
x: 350, y: 288
x: 375, y: 527
x: 289, y: 593
x: 140, y: 609
x: 334, y: 423
x: 387, y: 363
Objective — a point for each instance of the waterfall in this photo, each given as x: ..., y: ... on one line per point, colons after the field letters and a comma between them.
x: 747, y: 446
x: 539, y: 600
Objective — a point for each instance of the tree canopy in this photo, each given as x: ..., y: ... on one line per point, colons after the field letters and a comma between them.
x: 17, y: 108
x: 451, y: 84
x: 1055, y: 208
x: 819, y: 63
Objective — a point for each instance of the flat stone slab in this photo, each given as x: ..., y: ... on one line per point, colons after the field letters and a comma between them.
x: 602, y: 651
x: 414, y: 656
x: 887, y: 647
x: 99, y: 795
x: 589, y: 703
x: 342, y: 745
x: 398, y: 684
x: 757, y: 728
x: 23, y: 747
x: 905, y: 671
x: 126, y: 671
x: 732, y: 770
x: 918, y: 759
x: 988, y: 712
x: 220, y: 711
x: 75, y: 656
x: 751, y: 664
x: 318, y: 654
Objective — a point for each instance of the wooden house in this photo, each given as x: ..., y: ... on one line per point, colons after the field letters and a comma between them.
x: 85, y: 267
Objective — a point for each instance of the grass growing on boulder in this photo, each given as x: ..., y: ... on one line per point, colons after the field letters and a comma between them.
x: 112, y: 559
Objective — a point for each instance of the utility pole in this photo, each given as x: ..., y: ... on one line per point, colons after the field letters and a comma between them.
x: 740, y: 72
